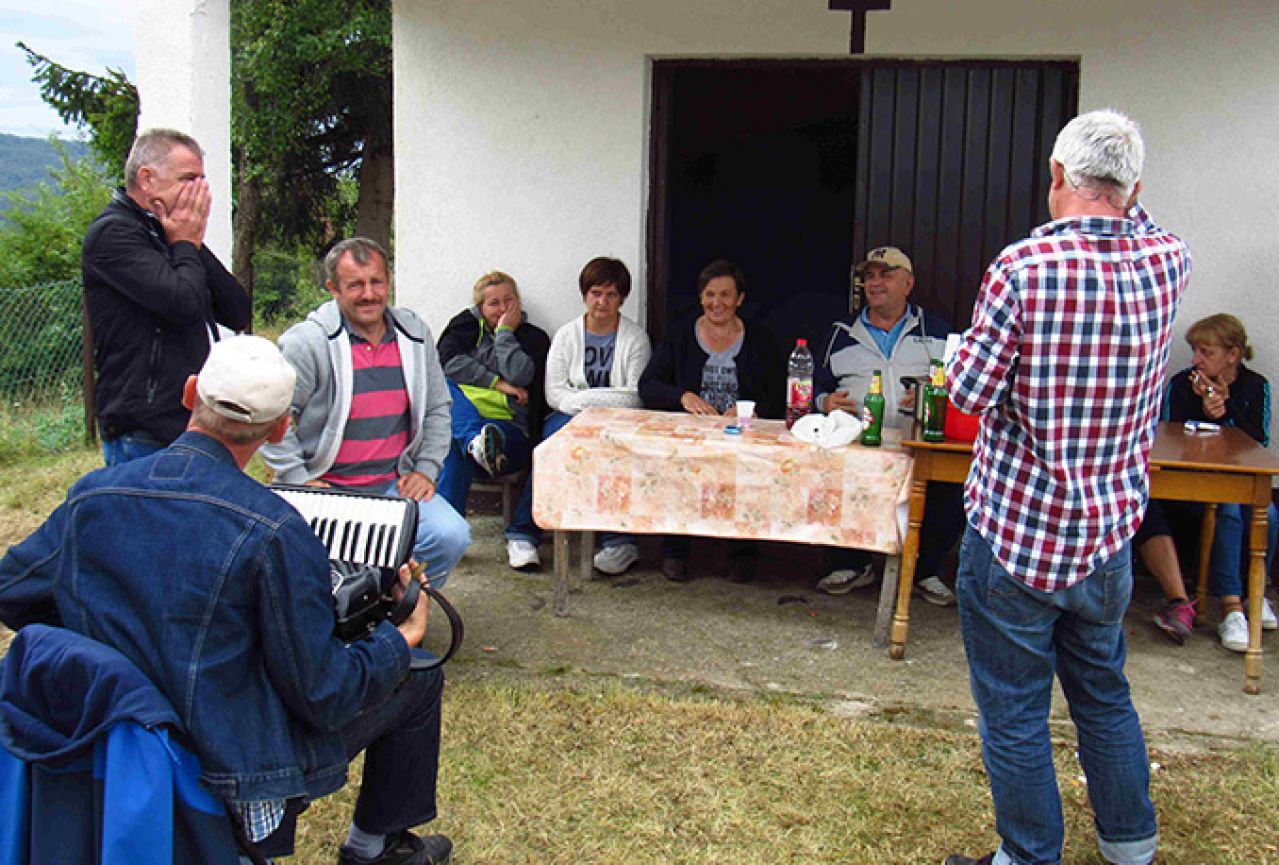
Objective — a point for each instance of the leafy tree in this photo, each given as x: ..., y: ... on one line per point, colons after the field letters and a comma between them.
x: 107, y: 105
x: 45, y: 227
x: 311, y: 112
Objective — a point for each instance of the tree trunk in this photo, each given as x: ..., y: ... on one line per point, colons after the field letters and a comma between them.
x: 375, y: 207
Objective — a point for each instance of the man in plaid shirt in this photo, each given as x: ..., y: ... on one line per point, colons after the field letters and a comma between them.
x: 1065, y: 362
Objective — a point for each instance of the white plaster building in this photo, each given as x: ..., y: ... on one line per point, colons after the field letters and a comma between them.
x: 523, y: 126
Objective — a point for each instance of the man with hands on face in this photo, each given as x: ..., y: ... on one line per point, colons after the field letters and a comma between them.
x: 155, y: 294
x: 371, y: 408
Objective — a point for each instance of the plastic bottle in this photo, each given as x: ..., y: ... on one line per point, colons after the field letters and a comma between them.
x: 799, y: 383
x: 873, y: 411
x: 935, y: 404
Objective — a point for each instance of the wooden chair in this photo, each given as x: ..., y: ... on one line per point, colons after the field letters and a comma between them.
x: 508, y: 485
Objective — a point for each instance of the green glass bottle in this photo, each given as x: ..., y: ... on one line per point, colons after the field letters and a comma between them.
x: 935, y: 404
x: 873, y: 412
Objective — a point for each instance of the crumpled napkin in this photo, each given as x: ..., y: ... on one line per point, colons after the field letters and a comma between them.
x: 832, y: 430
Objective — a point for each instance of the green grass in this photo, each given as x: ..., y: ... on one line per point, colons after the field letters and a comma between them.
x: 33, y: 431
x: 549, y: 767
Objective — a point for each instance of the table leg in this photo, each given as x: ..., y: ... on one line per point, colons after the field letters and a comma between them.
x: 910, y: 552
x: 587, y: 540
x: 1207, y: 529
x: 1256, y: 587
x: 887, y: 600
x: 560, y: 594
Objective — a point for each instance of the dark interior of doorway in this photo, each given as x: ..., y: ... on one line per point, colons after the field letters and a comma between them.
x: 756, y: 164
x: 795, y: 168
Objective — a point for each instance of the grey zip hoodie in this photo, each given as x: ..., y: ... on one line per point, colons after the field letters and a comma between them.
x: 320, y: 350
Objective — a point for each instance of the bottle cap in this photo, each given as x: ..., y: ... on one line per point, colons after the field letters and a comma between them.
x: 802, y: 341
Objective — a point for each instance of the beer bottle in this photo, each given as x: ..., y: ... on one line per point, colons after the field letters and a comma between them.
x: 935, y: 404
x: 873, y: 411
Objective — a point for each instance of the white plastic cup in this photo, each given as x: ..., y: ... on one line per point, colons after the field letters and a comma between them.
x: 745, y: 413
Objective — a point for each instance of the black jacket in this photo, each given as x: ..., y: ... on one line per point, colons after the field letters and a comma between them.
x: 1247, y: 407
x: 676, y: 368
x: 462, y: 335
x: 151, y: 307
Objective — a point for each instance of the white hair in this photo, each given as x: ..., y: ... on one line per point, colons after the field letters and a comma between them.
x: 1101, y: 148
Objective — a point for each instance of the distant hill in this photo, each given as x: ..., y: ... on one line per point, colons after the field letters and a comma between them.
x: 24, y: 162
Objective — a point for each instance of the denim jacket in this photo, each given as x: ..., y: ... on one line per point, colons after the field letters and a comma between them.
x: 219, y: 592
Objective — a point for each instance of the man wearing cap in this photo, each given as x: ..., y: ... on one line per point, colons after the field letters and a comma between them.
x: 372, y: 405
x: 899, y: 339
x: 155, y: 294
x: 219, y: 593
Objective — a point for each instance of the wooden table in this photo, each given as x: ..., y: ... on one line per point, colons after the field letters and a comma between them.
x: 1227, y: 467
x: 647, y: 472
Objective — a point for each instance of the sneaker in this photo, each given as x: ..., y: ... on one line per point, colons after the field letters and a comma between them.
x: 935, y: 592
x: 1268, y: 620
x: 522, y: 555
x: 844, y: 580
x: 675, y: 570
x: 616, y: 559
x: 1177, y: 620
x: 404, y: 848
x: 487, y: 449
x: 957, y: 859
x: 1233, y: 631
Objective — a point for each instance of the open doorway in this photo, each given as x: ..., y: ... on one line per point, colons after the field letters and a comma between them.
x: 796, y: 168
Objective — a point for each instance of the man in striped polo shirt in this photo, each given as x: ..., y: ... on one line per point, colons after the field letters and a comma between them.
x: 371, y: 408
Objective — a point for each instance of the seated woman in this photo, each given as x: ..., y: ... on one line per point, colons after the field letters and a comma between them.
x: 495, y: 362
x: 703, y: 366
x: 596, y: 360
x: 1217, y: 387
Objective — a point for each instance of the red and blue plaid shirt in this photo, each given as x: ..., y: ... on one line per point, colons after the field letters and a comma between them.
x: 1065, y: 362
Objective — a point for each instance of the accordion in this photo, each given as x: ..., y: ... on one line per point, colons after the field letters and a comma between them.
x: 368, y: 538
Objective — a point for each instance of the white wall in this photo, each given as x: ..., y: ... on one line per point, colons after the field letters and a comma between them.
x: 521, y: 127
x: 184, y: 81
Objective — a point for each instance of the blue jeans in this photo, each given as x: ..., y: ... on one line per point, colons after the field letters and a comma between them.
x: 1015, y: 638
x: 1231, y: 557
x: 401, y: 740
x: 130, y: 446
x: 442, y: 536
x: 459, y: 469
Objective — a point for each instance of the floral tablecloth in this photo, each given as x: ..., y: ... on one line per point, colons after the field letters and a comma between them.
x: 674, y: 473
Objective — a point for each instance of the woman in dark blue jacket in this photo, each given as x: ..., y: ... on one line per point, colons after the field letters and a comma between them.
x: 703, y: 366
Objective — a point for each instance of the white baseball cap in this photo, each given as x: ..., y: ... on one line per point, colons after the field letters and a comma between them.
x: 247, y: 379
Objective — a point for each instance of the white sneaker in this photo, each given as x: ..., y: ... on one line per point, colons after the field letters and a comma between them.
x: 935, y: 592
x: 616, y: 559
x: 487, y: 449
x: 1233, y: 631
x: 522, y: 554
x: 1268, y: 620
x: 844, y: 580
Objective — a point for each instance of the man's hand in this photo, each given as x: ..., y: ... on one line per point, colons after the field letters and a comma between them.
x: 413, y: 629
x: 511, y: 318
x: 416, y: 486
x: 840, y: 400
x: 520, y: 394
x: 694, y: 404
x: 190, y: 215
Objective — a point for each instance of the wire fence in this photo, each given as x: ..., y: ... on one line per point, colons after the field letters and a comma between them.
x: 41, y: 340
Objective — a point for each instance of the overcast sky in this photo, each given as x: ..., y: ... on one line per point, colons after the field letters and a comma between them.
x: 88, y: 35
